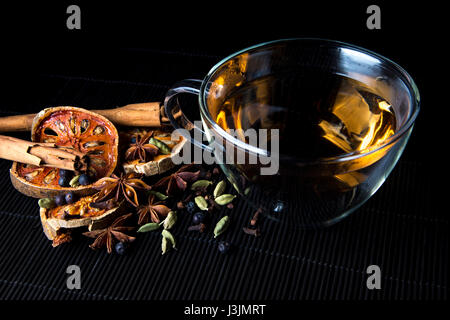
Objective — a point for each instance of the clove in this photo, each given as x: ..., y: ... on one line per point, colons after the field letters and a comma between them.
x: 198, y: 227
x: 255, y: 217
x: 252, y: 232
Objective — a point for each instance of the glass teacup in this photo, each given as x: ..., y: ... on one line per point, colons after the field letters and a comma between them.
x: 305, y: 129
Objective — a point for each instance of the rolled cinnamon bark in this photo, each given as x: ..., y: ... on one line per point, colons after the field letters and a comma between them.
x: 41, y: 154
x: 137, y: 115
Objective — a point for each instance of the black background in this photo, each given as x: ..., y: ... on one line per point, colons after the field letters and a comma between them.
x: 117, y: 38
x: 35, y: 39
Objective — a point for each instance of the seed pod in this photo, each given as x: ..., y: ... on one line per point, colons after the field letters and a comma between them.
x: 74, y: 182
x: 72, y: 125
x: 29, y: 176
x: 99, y: 130
x: 165, y: 245
x: 225, y: 199
x: 170, y: 220
x: 159, y: 195
x: 91, y: 144
x: 166, y: 234
x: 219, y: 189
x: 50, y: 177
x: 199, y: 184
x: 221, y: 226
x: 201, y: 203
x: 149, y: 227
x: 47, y: 203
x: 84, y: 125
x: 163, y: 148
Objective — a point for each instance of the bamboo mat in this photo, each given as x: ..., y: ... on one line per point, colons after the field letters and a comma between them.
x: 397, y: 229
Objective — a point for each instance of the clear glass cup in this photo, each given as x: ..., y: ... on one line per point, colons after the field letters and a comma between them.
x: 263, y: 87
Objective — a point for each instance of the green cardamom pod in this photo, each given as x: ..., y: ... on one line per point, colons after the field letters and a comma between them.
x: 170, y: 220
x: 47, y: 203
x: 163, y: 148
x: 219, y: 189
x: 159, y: 195
x: 224, y: 199
x: 149, y: 227
x: 221, y: 226
x: 201, y: 203
x: 166, y: 234
x: 74, y: 182
x: 199, y: 184
x: 165, y: 245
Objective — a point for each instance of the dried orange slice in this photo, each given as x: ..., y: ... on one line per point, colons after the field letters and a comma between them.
x: 159, y: 163
x: 81, y: 129
x: 79, y: 214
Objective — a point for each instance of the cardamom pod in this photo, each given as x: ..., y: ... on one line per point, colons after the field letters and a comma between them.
x: 166, y: 234
x: 165, y: 245
x: 201, y: 203
x: 47, y: 203
x: 170, y: 220
x: 220, y: 188
x: 224, y: 199
x: 159, y: 195
x: 221, y: 226
x: 163, y: 148
x: 199, y: 184
x: 74, y: 182
x: 149, y: 227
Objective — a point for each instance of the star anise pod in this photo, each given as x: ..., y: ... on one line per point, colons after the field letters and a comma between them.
x: 141, y: 149
x: 152, y: 211
x: 120, y: 187
x: 105, y: 237
x: 178, y: 181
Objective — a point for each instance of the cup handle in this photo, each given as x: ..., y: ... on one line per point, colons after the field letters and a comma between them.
x: 191, y: 86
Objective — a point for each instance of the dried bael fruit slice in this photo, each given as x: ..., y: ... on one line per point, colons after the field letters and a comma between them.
x: 149, y: 151
x: 83, y: 130
x: 82, y: 213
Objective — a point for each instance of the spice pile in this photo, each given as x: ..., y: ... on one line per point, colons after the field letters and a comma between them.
x: 191, y: 193
x: 150, y: 207
x: 130, y: 186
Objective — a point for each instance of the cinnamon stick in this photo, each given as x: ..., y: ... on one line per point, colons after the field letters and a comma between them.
x: 42, y: 154
x: 138, y: 114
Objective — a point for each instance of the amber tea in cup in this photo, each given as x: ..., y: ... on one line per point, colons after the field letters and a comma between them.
x: 342, y: 115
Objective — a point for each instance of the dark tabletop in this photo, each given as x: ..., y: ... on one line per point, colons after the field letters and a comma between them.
x: 399, y: 229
